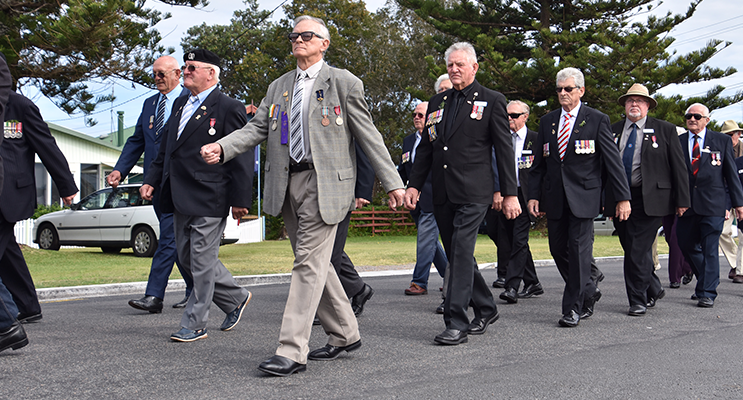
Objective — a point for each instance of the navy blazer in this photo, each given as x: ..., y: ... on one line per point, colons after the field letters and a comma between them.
x: 143, y: 140
x: 5, y: 82
x: 18, y: 200
x: 364, y: 175
x: 425, y: 201
x: 707, y: 189
x: 187, y: 183
x: 577, y: 178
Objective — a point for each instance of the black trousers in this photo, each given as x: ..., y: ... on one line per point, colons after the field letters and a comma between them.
x: 520, y: 262
x: 500, y: 235
x: 458, y: 224
x: 14, y: 271
x: 344, y: 268
x: 637, y: 235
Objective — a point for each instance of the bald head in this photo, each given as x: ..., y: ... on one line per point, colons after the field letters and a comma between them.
x: 167, y: 74
x: 419, y: 116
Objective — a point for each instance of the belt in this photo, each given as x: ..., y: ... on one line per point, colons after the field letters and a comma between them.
x: 300, y: 167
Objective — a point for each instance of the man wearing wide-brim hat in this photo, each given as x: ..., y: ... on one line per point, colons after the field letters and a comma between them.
x: 655, y: 169
x: 727, y: 244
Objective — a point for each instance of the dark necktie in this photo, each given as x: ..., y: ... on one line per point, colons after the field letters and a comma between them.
x: 160, y: 119
x: 629, y: 153
x: 695, y: 156
x: 457, y: 97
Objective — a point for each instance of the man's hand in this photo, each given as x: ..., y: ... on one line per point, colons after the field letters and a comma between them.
x: 739, y: 213
x: 497, y: 201
x: 411, y: 198
x: 727, y: 215
x: 211, y: 153
x: 623, y: 210
x: 68, y: 200
x: 146, y: 191
x: 239, y: 212
x: 114, y: 178
x: 361, y: 202
x: 533, y: 206
x: 396, y: 198
x: 681, y: 210
x: 511, y: 207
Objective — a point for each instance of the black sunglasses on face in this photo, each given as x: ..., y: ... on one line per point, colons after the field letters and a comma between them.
x: 419, y: 115
x: 515, y: 115
x: 695, y: 116
x: 566, y: 88
x: 161, y: 75
x: 306, y: 36
x: 190, y: 68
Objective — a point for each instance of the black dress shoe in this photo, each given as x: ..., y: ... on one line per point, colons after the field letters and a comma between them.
x: 569, y: 320
x: 706, y: 302
x: 29, y: 318
x: 478, y: 326
x: 182, y: 303
x: 686, y: 279
x: 451, y: 337
x: 653, y: 300
x: 589, y: 303
x: 637, y: 310
x: 148, y: 303
x: 675, y: 285
x: 13, y: 337
x: 358, y: 301
x: 330, y: 352
x: 499, y: 283
x: 440, y: 308
x: 510, y: 296
x: 599, y: 278
x: 281, y: 366
x: 535, y: 289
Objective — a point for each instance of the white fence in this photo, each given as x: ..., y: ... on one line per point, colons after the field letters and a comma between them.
x: 24, y: 233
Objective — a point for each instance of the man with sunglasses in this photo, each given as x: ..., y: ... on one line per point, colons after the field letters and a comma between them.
x: 659, y: 186
x: 573, y: 147
x: 151, y: 127
x: 200, y: 195
x: 711, y: 169
x: 311, y: 119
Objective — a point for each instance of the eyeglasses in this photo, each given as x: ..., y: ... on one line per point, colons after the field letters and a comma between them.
x: 190, y: 68
x: 566, y: 88
x: 419, y: 115
x: 515, y: 115
x: 160, y: 74
x: 636, y: 101
x: 695, y: 116
x: 306, y: 36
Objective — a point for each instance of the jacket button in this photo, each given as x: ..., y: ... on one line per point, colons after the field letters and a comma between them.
x: 445, y: 166
x: 446, y: 148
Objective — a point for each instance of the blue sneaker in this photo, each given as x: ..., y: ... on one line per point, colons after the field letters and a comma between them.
x: 234, y: 316
x: 187, y: 335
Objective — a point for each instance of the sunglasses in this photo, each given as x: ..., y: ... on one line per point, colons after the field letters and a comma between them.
x: 566, y: 88
x: 515, y: 115
x: 306, y: 36
x: 190, y: 68
x: 695, y: 116
x: 419, y: 115
x: 161, y: 75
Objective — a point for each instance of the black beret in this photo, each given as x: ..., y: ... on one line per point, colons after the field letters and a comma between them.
x: 201, y: 55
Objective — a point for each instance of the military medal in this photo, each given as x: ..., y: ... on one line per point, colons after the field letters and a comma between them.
x: 715, y: 158
x: 152, y: 119
x: 405, y: 157
x: 655, y: 142
x: 12, y: 130
x: 274, y: 112
x: 339, y: 120
x: 477, y: 109
x: 591, y: 146
x: 284, y: 128
x: 578, y: 147
x: 546, y: 150
x: 432, y: 135
x: 212, y: 122
x: 320, y: 96
x: 325, y: 112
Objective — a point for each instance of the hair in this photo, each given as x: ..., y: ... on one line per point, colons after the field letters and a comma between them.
x: 706, y: 110
x: 324, y: 32
x: 524, y: 106
x: 437, y: 85
x: 574, y: 73
x: 216, y: 72
x: 462, y: 46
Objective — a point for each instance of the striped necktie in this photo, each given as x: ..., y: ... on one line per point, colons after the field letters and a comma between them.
x: 296, y: 137
x: 562, y: 139
x: 160, y: 119
x: 695, y: 156
x: 187, y: 112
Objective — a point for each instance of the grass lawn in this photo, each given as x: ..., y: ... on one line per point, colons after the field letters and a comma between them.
x: 86, y: 266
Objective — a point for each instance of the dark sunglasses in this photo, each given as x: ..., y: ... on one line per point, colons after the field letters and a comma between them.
x: 306, y: 36
x: 566, y: 88
x: 419, y: 115
x: 190, y: 68
x: 515, y: 115
x: 161, y: 75
x: 695, y: 116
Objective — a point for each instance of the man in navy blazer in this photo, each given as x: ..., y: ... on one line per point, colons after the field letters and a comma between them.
x: 711, y: 167
x: 200, y: 195
x: 151, y: 126
x: 573, y: 146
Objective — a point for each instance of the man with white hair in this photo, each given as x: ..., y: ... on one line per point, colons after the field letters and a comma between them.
x: 442, y: 84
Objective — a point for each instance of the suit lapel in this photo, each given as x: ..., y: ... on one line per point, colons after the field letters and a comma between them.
x: 321, y: 83
x: 199, y: 118
x: 464, y: 111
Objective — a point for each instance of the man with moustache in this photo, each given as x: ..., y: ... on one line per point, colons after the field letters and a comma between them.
x: 659, y: 186
x: 574, y: 145
x: 463, y: 125
x: 311, y: 119
x: 151, y: 126
x: 711, y: 168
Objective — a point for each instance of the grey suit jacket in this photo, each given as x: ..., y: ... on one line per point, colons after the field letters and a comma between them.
x: 332, y: 146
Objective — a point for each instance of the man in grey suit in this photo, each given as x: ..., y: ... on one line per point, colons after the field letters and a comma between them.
x: 311, y: 118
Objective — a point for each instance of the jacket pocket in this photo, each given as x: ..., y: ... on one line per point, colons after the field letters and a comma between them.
x: 207, y: 176
x: 592, y: 183
x: 345, y: 174
x: 664, y: 185
x: 24, y: 181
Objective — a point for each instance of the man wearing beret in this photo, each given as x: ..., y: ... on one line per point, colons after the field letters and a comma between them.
x: 200, y: 195
x: 659, y: 186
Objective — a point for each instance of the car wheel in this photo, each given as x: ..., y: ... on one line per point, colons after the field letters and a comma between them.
x: 144, y: 242
x: 48, y: 238
x: 111, y: 250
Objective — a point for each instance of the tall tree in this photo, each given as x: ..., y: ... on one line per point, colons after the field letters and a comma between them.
x: 59, y: 46
x: 523, y: 43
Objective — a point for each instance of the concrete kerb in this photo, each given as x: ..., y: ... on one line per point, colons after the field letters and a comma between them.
x: 138, y: 288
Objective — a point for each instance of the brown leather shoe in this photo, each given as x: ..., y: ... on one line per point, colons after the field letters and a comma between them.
x: 738, y: 279
x: 731, y: 274
x: 415, y: 290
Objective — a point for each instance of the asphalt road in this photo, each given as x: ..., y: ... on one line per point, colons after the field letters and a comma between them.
x: 101, y: 348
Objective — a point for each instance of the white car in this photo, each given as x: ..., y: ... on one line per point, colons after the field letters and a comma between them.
x: 110, y: 219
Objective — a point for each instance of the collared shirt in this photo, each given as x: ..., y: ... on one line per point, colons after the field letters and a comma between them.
x: 418, y: 138
x: 518, y: 147
x: 309, y: 83
x: 702, y: 135
x: 202, y: 96
x: 169, y: 101
x: 571, y: 121
x: 637, y: 157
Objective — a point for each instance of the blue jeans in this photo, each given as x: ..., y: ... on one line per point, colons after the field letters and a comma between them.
x: 8, y: 309
x: 428, y: 250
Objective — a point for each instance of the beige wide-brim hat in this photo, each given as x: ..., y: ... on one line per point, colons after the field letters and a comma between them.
x: 729, y: 127
x: 637, y: 90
